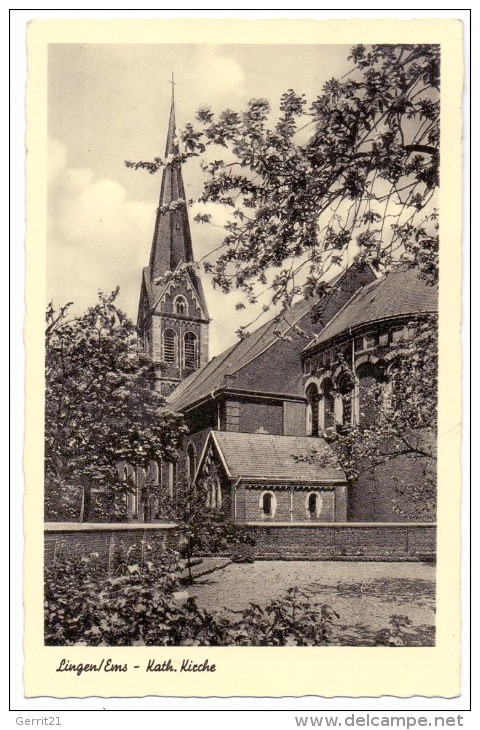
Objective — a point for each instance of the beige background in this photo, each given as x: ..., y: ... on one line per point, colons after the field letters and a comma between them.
x: 325, y: 671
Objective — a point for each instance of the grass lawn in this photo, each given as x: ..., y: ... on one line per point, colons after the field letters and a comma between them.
x: 365, y: 595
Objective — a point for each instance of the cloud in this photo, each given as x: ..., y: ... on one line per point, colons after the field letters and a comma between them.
x: 57, y: 157
x: 219, y: 75
x: 97, y: 237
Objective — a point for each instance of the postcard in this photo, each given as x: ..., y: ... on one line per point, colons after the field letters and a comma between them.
x: 243, y: 423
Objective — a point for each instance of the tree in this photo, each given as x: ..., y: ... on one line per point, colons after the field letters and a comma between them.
x: 100, y: 409
x: 356, y: 172
x: 364, y: 181
x: 361, y: 185
x: 204, y: 529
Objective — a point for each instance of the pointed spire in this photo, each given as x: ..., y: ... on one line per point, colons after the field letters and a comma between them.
x: 172, y: 241
x: 171, y: 148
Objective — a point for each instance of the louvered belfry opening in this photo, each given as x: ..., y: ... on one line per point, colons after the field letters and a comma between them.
x: 169, y: 346
x: 190, y: 351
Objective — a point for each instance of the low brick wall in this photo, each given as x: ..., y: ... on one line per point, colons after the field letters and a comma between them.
x: 344, y: 541
x: 105, y: 539
x: 279, y: 541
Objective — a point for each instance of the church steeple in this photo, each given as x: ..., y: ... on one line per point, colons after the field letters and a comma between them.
x: 172, y: 315
x: 172, y: 241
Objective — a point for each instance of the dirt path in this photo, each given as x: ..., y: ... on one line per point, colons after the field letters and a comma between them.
x: 365, y: 595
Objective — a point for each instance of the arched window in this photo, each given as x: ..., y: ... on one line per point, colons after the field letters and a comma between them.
x: 191, y: 462
x: 170, y: 347
x: 312, y: 410
x: 369, y: 377
x: 214, y: 492
x: 313, y: 505
x: 180, y: 305
x: 190, y: 350
x: 328, y: 404
x: 345, y: 386
x: 268, y: 505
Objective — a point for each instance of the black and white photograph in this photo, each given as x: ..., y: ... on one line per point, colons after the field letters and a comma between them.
x: 243, y: 255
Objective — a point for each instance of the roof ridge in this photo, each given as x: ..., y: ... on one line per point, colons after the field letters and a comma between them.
x: 401, y: 293
x: 273, y: 341
x: 250, y: 434
x: 332, y: 319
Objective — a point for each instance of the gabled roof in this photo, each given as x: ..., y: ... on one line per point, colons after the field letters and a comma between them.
x: 273, y: 458
x: 399, y: 293
x: 202, y: 382
x: 155, y: 292
x: 268, y: 360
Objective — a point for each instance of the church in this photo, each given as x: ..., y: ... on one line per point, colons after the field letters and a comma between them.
x: 258, y: 411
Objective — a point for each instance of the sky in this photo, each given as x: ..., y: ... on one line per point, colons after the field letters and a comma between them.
x: 110, y: 103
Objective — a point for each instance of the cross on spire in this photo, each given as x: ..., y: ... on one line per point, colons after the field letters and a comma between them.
x: 172, y: 82
x: 171, y: 239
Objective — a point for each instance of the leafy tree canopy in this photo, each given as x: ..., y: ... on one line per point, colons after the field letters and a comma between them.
x: 99, y: 409
x: 355, y: 172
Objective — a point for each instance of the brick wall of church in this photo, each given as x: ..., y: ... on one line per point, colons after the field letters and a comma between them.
x: 289, y: 505
x: 344, y: 542
x: 265, y: 417
x: 249, y: 416
x: 378, y: 493
x: 204, y: 344
x: 156, y: 339
x: 294, y: 418
x: 272, y: 541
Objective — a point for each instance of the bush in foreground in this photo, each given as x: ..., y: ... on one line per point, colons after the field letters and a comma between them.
x: 142, y: 603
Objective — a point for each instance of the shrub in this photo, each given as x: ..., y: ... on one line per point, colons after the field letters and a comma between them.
x: 141, y: 603
x: 398, y: 632
x: 290, y: 621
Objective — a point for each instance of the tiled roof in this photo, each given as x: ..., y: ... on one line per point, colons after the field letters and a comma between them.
x: 399, y: 293
x: 202, y: 382
x: 263, y: 361
x: 271, y: 457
